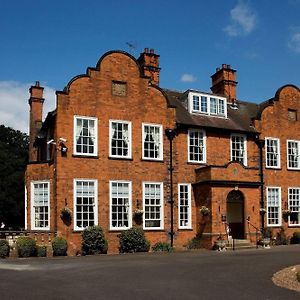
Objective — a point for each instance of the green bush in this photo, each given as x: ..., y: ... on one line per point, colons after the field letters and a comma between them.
x: 4, y: 248
x: 41, y: 250
x: 298, y: 276
x: 59, y: 246
x: 26, y: 246
x: 133, y: 240
x: 281, y: 238
x: 162, y: 247
x: 93, y: 241
x: 295, y: 239
x: 194, y: 243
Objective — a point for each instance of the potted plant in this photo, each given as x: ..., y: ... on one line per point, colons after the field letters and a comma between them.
x: 138, y: 216
x: 205, y: 211
x: 220, y: 244
x: 66, y: 215
x: 266, y: 237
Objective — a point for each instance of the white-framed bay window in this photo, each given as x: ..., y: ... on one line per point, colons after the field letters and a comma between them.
x: 152, y: 136
x: 153, y: 205
x: 196, y: 146
x: 120, y: 205
x: 294, y: 206
x: 238, y: 148
x: 273, y: 206
x: 85, y: 203
x: 85, y: 136
x: 293, y: 154
x: 119, y: 139
x: 184, y: 206
x: 272, y: 148
x: 40, y: 205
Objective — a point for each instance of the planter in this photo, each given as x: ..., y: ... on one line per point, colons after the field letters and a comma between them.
x: 220, y: 245
x: 265, y: 242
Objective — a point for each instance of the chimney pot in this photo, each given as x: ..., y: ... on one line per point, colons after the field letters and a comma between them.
x: 223, y: 66
x: 146, y: 50
x: 152, y: 51
x: 228, y: 67
x: 37, y: 83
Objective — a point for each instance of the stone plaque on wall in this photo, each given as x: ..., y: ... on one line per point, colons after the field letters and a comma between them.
x: 119, y: 88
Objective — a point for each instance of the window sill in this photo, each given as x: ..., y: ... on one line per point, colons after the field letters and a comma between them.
x: 185, y: 229
x: 154, y: 229
x: 85, y: 156
x: 196, y: 163
x: 152, y: 160
x: 120, y: 158
x: 273, y: 168
x: 289, y: 169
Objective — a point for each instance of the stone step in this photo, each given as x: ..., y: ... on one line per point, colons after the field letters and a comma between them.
x: 240, y: 244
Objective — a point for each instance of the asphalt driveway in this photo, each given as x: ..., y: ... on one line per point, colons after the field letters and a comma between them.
x: 187, y: 275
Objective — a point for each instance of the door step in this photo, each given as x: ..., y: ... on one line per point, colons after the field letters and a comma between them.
x: 239, y: 244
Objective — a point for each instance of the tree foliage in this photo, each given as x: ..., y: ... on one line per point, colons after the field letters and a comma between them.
x: 13, y: 160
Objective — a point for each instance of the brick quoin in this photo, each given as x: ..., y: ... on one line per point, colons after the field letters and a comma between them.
x: 121, y: 87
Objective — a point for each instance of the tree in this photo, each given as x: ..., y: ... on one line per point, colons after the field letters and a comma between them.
x: 13, y: 160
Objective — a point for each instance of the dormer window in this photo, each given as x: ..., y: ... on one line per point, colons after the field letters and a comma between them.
x: 207, y: 104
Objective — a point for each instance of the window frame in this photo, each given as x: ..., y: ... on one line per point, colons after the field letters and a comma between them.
x: 245, y: 154
x: 95, y: 152
x: 278, y: 154
x: 161, y: 211
x: 196, y: 108
x: 279, y: 206
x: 287, y: 154
x: 129, y: 155
x: 189, y: 208
x: 160, y: 126
x: 289, y: 206
x: 190, y: 130
x: 129, y: 214
x: 95, y: 207
x: 32, y: 206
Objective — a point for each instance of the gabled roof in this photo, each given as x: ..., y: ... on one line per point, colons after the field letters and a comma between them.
x: 237, y: 119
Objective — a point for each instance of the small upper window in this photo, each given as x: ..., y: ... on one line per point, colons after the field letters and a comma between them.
x: 120, y: 139
x: 292, y: 114
x: 85, y: 135
x: 204, y: 104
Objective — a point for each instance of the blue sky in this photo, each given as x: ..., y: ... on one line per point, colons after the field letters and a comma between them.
x: 53, y: 41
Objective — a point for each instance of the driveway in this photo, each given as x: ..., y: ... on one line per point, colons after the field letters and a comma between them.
x: 184, y: 275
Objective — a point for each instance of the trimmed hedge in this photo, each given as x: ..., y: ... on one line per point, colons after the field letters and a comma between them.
x: 93, y: 241
x: 26, y: 246
x: 41, y: 250
x: 162, y: 247
x: 133, y: 240
x: 4, y: 248
x: 59, y: 246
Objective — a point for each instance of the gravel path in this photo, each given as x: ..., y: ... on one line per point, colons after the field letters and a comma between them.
x: 286, y: 278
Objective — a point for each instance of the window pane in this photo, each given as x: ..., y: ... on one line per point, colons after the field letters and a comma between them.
x: 184, y: 206
x: 196, y: 146
x: 153, y: 205
x: 120, y: 139
x: 85, y: 136
x: 40, y: 204
x: 152, y: 141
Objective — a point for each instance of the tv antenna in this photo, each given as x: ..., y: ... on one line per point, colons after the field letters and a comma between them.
x: 132, y: 47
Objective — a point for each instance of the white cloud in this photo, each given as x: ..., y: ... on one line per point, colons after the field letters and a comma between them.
x: 14, y: 107
x: 243, y: 20
x: 294, y: 40
x: 188, y: 78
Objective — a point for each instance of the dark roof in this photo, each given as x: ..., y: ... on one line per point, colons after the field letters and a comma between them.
x: 237, y: 119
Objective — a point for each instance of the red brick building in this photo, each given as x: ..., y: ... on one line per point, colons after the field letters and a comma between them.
x: 117, y: 143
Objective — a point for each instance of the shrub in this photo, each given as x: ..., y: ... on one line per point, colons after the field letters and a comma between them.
x: 26, y: 246
x: 93, y: 241
x: 41, y: 250
x: 133, y: 240
x: 281, y: 238
x: 295, y: 239
x: 162, y: 247
x: 194, y: 243
x: 4, y: 248
x: 298, y: 276
x: 59, y: 246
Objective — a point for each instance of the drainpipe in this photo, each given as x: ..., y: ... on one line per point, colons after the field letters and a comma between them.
x: 261, y: 144
x: 171, y: 133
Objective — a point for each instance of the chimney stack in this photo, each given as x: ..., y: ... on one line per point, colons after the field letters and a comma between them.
x: 224, y: 82
x: 149, y: 62
x: 35, y: 101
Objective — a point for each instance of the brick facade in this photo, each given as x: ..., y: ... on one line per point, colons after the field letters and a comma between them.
x: 122, y: 88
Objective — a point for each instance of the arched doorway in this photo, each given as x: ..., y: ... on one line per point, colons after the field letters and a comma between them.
x: 235, y: 214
